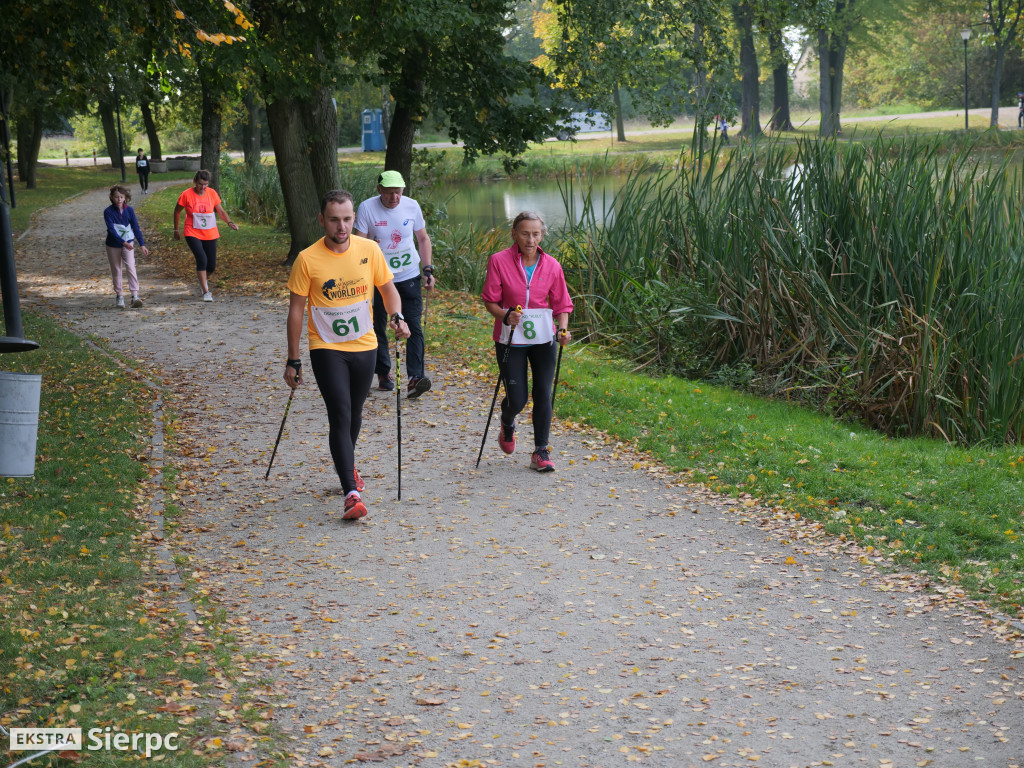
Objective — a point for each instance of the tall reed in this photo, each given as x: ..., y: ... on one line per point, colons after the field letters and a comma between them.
x: 881, y: 279
x: 253, y: 192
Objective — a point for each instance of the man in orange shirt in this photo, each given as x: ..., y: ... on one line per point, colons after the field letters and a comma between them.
x: 337, y: 275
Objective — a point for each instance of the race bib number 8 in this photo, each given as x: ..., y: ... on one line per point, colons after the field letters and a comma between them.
x: 336, y: 325
x: 536, y: 327
x: 204, y: 221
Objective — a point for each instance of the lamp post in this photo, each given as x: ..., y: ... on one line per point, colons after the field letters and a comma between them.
x: 965, y: 35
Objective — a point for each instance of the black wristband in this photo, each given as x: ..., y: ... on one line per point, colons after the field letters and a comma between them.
x: 505, y: 321
x: 296, y: 364
x: 429, y: 269
x: 397, y: 317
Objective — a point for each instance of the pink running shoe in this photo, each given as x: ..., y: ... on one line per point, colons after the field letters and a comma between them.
x: 541, y: 461
x: 354, y: 507
x: 506, y: 437
x: 359, y: 481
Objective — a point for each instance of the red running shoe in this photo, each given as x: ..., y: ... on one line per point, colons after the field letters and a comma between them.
x: 359, y: 481
x: 541, y: 461
x: 507, y: 437
x: 354, y: 507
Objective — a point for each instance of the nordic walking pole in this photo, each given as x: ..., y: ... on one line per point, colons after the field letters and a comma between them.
x: 558, y: 367
x: 497, y: 385
x: 423, y: 325
x: 398, y: 402
x: 279, y: 433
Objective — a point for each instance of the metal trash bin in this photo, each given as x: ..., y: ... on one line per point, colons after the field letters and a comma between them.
x: 19, y: 423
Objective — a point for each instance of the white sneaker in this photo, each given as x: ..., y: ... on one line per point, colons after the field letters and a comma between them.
x: 208, y: 296
x: 119, y: 302
x: 136, y: 301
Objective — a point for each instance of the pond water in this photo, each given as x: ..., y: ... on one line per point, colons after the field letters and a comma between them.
x: 497, y: 203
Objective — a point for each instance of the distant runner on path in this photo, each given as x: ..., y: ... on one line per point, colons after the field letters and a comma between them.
x: 202, y: 205
x: 396, y: 223
x: 526, y: 276
x: 337, y: 274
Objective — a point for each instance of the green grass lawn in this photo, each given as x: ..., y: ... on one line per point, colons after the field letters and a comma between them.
x: 602, y: 153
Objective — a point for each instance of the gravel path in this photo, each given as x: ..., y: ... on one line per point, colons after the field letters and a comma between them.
x: 597, y: 616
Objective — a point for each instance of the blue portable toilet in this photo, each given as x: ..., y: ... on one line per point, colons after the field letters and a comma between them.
x: 373, y: 131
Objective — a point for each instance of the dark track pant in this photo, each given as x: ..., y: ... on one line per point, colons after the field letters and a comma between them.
x: 344, y: 379
x: 205, y: 253
x: 541, y: 360
x: 412, y: 307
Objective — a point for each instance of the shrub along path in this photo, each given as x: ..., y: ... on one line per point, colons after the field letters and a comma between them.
x: 590, y: 617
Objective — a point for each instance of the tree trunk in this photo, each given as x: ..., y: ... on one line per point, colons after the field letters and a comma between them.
x: 320, y: 120
x: 30, y: 137
x: 837, y: 68
x: 385, y: 112
x: 252, y: 139
x: 824, y: 85
x: 750, y: 109
x: 700, y: 90
x: 109, y: 123
x: 781, y: 119
x: 997, y: 81
x: 211, y: 124
x: 620, y: 128
x: 297, y: 185
x: 155, y: 152
x: 403, y: 134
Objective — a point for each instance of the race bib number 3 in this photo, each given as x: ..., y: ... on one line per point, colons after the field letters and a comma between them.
x: 204, y: 221
x: 336, y: 325
x: 536, y: 327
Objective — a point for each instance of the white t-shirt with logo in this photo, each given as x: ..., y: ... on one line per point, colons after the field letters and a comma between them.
x: 393, y: 229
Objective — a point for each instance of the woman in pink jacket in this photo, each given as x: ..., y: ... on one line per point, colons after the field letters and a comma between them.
x: 525, y: 292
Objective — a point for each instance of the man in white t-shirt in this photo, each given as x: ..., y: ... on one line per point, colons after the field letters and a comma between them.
x: 397, y: 224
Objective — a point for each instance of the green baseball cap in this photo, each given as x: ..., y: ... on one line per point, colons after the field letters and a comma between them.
x: 390, y: 179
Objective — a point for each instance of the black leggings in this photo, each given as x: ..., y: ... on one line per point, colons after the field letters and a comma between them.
x: 205, y: 252
x: 144, y: 178
x: 344, y: 379
x: 541, y: 358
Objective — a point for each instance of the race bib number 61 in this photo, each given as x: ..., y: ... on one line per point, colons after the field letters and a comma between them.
x: 339, y: 324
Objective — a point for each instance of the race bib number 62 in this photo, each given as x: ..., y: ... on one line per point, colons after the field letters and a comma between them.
x: 400, y: 261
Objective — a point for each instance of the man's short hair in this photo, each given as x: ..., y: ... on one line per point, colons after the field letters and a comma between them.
x: 335, y: 196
